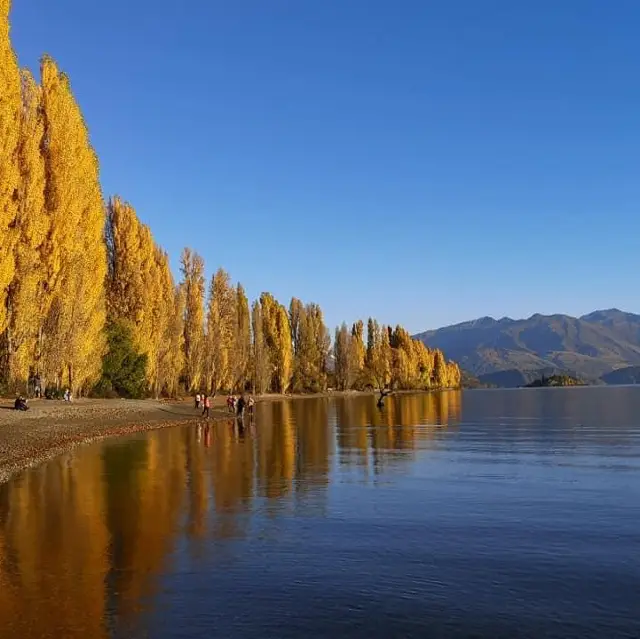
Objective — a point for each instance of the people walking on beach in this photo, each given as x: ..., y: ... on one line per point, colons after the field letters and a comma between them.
x: 207, y: 406
x: 197, y: 401
x: 231, y: 402
x: 250, y: 404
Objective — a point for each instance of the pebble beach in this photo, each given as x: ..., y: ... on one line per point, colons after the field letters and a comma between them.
x: 51, y: 427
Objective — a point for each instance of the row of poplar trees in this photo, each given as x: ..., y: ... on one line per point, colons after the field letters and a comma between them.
x: 77, y: 274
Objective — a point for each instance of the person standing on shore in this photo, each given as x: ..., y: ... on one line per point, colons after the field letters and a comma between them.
x: 207, y: 406
x: 197, y: 400
x: 240, y: 406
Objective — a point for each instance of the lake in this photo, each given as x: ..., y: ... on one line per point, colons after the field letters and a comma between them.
x: 462, y: 514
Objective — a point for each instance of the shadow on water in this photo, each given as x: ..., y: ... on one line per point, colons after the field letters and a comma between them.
x: 329, y: 516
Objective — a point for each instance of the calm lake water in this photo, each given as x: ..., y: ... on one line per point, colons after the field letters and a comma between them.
x: 477, y: 514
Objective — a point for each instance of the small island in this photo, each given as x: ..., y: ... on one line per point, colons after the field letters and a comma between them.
x: 555, y: 380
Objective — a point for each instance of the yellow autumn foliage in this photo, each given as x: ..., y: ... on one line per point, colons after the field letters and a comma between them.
x: 70, y: 265
x: 10, y: 124
x: 32, y: 224
x: 74, y: 254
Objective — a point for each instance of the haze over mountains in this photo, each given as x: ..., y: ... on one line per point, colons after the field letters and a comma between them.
x: 511, y: 352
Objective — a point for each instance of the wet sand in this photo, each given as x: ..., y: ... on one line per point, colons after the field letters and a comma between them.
x: 50, y: 427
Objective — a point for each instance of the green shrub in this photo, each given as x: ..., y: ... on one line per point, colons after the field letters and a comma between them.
x: 124, y: 370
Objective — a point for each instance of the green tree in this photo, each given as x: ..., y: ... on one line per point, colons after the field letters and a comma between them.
x: 124, y: 369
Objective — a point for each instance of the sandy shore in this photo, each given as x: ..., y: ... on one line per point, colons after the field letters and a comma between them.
x: 50, y: 427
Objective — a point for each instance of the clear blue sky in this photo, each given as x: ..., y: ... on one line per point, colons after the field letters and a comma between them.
x: 422, y: 162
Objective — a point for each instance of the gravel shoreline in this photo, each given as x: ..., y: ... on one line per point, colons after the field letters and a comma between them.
x: 51, y: 427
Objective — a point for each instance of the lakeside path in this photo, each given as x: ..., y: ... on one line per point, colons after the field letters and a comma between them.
x: 51, y: 427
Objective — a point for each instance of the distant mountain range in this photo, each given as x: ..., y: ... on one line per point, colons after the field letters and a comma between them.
x: 508, y: 352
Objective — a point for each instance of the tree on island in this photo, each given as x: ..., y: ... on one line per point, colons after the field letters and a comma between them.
x: 555, y: 380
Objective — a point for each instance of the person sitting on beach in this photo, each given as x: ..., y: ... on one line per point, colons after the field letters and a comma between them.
x: 20, y: 403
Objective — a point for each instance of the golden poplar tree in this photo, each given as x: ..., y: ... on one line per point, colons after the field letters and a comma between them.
x: 378, y: 355
x: 173, y: 358
x: 302, y: 344
x: 296, y: 312
x: 163, y: 305
x: 311, y: 347
x: 10, y: 108
x: 342, y: 357
x: 322, y: 340
x: 439, y: 370
x: 454, y: 375
x: 405, y: 374
x: 139, y: 285
x: 278, y: 342
x: 284, y: 353
x: 192, y: 268
x: 242, y: 340
x: 74, y: 255
x: 125, y: 280
x: 268, y: 312
x: 150, y: 328
x: 424, y: 364
x: 357, y: 354
x: 25, y: 293
x: 221, y: 331
x: 373, y: 334
x: 260, y: 372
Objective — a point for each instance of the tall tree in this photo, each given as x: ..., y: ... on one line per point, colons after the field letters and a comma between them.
x: 284, y: 351
x: 296, y: 313
x: 380, y: 359
x: 221, y: 330
x: 74, y: 256
x: 260, y: 373
x: 322, y: 340
x: 192, y: 268
x: 311, y: 347
x: 268, y: 312
x: 162, y: 308
x: 342, y: 357
x: 10, y: 108
x: 357, y: 354
x: 439, y: 370
x: 278, y: 342
x: 25, y: 293
x: 242, y: 340
x: 125, y: 282
x: 173, y: 359
x: 373, y: 333
x: 139, y: 284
